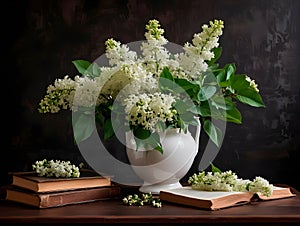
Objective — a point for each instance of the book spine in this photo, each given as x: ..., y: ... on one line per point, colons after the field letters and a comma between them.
x: 55, y: 200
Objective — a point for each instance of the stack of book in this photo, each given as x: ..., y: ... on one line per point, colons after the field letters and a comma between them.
x: 44, y: 192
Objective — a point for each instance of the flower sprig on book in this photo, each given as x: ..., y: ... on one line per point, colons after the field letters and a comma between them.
x: 57, y: 168
x: 216, y: 180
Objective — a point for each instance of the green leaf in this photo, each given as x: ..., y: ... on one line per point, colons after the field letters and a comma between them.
x: 203, y: 109
x: 239, y: 83
x: 207, y: 109
x: 222, y: 103
x: 206, y: 92
x: 209, y: 79
x: 224, y: 84
x: 225, y: 74
x: 108, y: 129
x: 93, y: 70
x: 251, y: 98
x: 141, y: 133
x: 99, y: 118
x: 146, y: 139
x: 81, y: 65
x: 213, y: 132
x: 166, y: 74
x: 215, y: 169
x: 181, y: 106
x: 166, y: 81
x: 244, y: 92
x: 230, y: 70
x: 248, y: 186
x: 188, y: 118
x: 217, y: 54
x: 185, y: 84
x: 182, y: 125
x: 83, y: 127
x: 155, y: 142
x: 234, y: 115
x: 159, y: 148
x: 220, y: 75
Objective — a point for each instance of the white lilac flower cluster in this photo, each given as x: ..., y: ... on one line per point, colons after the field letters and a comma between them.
x: 149, y: 109
x: 193, y: 61
x: 136, y: 200
x: 56, y: 168
x: 61, y: 94
x: 126, y: 67
x: 252, y: 83
x: 229, y: 181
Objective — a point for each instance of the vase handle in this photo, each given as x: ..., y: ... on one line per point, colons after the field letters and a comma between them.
x: 197, y: 134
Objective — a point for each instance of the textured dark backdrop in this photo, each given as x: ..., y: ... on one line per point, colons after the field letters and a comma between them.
x: 39, y: 39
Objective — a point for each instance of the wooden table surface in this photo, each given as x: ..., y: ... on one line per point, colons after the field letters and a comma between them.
x: 273, y: 212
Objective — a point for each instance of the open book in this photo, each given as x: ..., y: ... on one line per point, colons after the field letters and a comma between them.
x: 213, y: 200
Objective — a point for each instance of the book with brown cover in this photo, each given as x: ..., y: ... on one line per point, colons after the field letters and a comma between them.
x: 213, y: 200
x: 33, y: 182
x: 62, y: 198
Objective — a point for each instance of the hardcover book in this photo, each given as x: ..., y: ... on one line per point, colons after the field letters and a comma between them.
x: 33, y: 182
x: 62, y: 198
x: 213, y: 200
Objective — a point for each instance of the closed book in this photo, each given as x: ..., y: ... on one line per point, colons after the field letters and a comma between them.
x: 33, y: 182
x: 213, y: 200
x: 62, y: 198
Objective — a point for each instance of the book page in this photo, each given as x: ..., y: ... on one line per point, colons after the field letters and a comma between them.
x: 205, y: 195
x: 278, y: 192
x: 279, y: 188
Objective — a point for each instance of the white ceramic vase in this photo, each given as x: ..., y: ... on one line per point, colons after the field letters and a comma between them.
x: 164, y: 171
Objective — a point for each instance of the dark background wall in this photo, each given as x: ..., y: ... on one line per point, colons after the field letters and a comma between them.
x: 39, y: 39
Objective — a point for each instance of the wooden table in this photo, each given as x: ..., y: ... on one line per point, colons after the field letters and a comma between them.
x: 275, y: 212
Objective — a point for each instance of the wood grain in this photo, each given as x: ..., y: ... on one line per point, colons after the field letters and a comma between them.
x: 276, y: 212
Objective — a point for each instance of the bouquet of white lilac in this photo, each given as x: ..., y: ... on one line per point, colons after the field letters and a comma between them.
x: 155, y: 90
